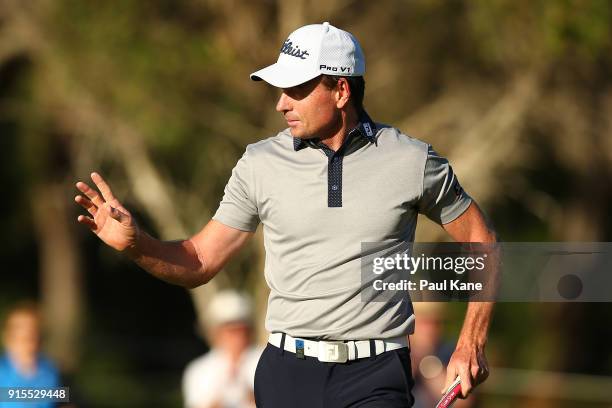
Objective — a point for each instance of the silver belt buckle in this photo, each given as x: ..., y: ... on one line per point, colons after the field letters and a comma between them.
x: 333, y: 352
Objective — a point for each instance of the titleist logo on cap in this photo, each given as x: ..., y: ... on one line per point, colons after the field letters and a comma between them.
x: 289, y: 49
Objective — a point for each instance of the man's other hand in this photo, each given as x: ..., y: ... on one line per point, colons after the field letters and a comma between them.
x: 470, y: 364
x: 109, y: 219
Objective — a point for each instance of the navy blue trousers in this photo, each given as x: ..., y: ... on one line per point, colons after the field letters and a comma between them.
x: 284, y: 381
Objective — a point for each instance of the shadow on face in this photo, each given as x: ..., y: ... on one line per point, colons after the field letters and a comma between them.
x: 301, y: 91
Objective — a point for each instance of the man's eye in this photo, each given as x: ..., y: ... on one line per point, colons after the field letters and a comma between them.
x: 296, y: 91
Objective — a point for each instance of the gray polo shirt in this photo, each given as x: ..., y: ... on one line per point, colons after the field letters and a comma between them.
x: 317, y: 206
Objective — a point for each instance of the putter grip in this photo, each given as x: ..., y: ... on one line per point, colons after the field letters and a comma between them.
x: 451, y: 394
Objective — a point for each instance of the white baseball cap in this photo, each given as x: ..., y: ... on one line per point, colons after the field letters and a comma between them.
x: 313, y: 50
x: 229, y: 306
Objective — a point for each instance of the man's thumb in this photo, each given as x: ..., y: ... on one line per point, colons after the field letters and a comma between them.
x: 115, y: 213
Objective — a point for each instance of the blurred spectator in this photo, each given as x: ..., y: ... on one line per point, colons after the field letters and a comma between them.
x: 23, y: 364
x: 430, y: 355
x: 224, y: 377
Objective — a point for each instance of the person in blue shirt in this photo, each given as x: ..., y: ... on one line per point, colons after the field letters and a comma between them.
x: 23, y: 365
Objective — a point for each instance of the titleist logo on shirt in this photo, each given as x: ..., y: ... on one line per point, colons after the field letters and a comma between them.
x: 289, y: 49
x: 368, y: 129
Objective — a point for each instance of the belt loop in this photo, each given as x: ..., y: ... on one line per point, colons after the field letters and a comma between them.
x: 282, y: 344
x: 372, y: 349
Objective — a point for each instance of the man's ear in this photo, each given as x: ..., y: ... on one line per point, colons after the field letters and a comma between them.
x: 343, y: 93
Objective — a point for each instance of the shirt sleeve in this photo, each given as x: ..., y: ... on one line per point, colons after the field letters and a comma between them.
x: 442, y: 199
x: 238, y: 208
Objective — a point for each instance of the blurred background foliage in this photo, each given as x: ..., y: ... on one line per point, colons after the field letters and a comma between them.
x: 155, y: 94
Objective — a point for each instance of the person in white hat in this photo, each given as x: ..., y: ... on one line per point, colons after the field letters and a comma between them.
x: 331, y: 181
x: 223, y: 377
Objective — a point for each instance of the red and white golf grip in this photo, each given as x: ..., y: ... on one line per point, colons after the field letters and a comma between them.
x: 451, y: 394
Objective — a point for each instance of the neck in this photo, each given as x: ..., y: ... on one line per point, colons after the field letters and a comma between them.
x: 347, y: 121
x: 25, y: 364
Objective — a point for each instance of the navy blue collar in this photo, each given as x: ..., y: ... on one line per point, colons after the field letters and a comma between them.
x: 365, y: 130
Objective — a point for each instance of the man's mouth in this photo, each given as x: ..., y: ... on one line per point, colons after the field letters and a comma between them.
x: 292, y: 122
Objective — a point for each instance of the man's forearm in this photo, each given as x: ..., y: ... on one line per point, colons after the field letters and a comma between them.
x: 476, y: 325
x: 479, y: 312
x: 175, y: 262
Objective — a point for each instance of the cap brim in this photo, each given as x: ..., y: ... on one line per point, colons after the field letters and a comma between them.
x: 282, y: 76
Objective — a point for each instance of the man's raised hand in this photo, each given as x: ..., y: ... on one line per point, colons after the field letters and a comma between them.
x: 109, y: 219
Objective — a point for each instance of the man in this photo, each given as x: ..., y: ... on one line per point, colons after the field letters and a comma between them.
x: 223, y: 377
x: 23, y: 366
x: 332, y: 180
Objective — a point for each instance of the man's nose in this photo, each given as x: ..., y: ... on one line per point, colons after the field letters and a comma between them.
x: 283, y: 104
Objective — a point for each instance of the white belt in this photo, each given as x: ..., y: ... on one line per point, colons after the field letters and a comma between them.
x: 337, y: 351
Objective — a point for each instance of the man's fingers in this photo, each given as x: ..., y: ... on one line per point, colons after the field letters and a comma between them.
x: 117, y: 214
x: 478, y: 374
x: 92, y: 194
x: 451, y: 374
x: 484, y: 373
x: 86, y: 204
x: 483, y: 368
x: 103, y: 187
x: 88, y: 221
x: 466, y: 381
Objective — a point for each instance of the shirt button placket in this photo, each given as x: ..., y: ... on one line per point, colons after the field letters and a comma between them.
x: 335, y: 181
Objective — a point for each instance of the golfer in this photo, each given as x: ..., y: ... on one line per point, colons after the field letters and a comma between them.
x: 330, y: 181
